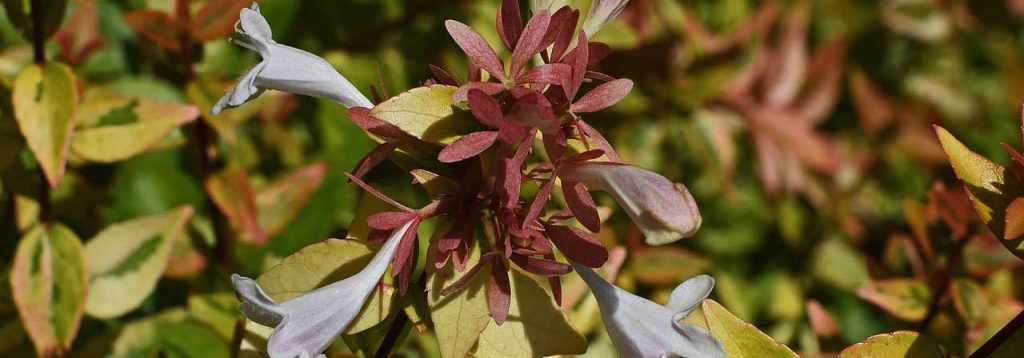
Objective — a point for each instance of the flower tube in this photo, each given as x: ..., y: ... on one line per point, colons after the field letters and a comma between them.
x: 284, y: 68
x: 306, y: 325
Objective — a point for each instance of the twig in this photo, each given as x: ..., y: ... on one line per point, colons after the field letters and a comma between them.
x: 1000, y: 337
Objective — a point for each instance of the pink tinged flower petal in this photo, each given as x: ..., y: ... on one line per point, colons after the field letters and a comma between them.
x: 490, y: 88
x: 577, y: 245
x: 602, y: 12
x: 531, y: 41
x: 476, y: 48
x: 603, y: 96
x: 468, y: 146
x: 510, y: 23
x: 663, y: 211
x: 579, y: 201
x: 306, y: 325
x: 552, y: 73
x: 641, y: 328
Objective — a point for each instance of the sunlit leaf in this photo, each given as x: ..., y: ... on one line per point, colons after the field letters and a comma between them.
x: 740, y: 339
x: 461, y: 316
x: 427, y: 113
x: 666, y: 265
x: 907, y: 299
x: 126, y: 260
x: 277, y: 203
x: 897, y: 344
x: 49, y: 286
x: 125, y: 131
x: 44, y: 99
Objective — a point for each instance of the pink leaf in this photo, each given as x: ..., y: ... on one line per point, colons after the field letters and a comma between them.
x: 373, y: 191
x: 490, y: 88
x: 442, y: 76
x: 579, y: 66
x: 485, y: 108
x: 578, y: 246
x: 552, y: 73
x: 499, y: 292
x: 477, y: 48
x: 563, y: 25
x: 467, y: 147
x: 531, y: 42
x: 542, y: 197
x: 374, y: 157
x: 389, y: 220
x: 603, y: 96
x: 542, y: 267
x: 594, y: 137
x: 510, y: 23
x: 579, y: 201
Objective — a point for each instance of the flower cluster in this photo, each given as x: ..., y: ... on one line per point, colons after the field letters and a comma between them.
x: 530, y: 129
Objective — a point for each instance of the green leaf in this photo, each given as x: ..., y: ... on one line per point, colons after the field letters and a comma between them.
x: 172, y: 333
x: 535, y: 327
x: 897, y: 344
x: 127, y: 259
x: 839, y: 264
x: 48, y: 283
x: 219, y: 311
x: 992, y: 195
x: 321, y: 264
x: 127, y: 129
x: 741, y: 339
x: 461, y: 316
x: 906, y: 299
x: 666, y: 265
x: 427, y: 113
x: 44, y: 100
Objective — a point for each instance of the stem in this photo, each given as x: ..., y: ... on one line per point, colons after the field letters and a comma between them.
x: 944, y: 280
x: 202, y: 136
x: 391, y: 338
x: 1000, y: 337
x: 39, y: 57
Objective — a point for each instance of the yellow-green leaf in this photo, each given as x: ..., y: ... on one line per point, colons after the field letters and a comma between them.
x: 321, y: 264
x: 134, y: 127
x: 427, y: 113
x: 904, y: 298
x: 459, y: 317
x: 839, y: 264
x: 536, y: 327
x: 897, y: 344
x: 44, y: 99
x: 741, y: 339
x: 666, y: 265
x: 126, y: 260
x: 48, y: 282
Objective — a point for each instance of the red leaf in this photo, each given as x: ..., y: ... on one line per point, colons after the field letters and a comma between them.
x: 468, y: 276
x: 511, y: 180
x: 531, y: 41
x: 485, y: 108
x: 374, y: 157
x: 233, y: 194
x: 499, y: 293
x: 594, y: 75
x: 442, y: 76
x: 579, y: 201
x: 476, y: 48
x: 578, y: 246
x: 603, y: 96
x: 542, y: 267
x: 403, y: 257
x: 490, y: 88
x: 579, y: 66
x: 585, y: 156
x: 552, y: 73
x: 467, y: 147
x: 510, y: 23
x: 563, y: 25
x: 80, y: 36
x: 542, y: 197
x: 373, y: 191
x: 217, y: 19
x: 155, y: 26
x: 373, y: 125
x: 389, y: 220
x: 555, y: 143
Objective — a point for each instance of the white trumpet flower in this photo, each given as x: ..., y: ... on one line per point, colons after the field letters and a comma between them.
x: 306, y: 325
x: 601, y: 13
x: 284, y: 68
x: 643, y: 329
x: 664, y: 211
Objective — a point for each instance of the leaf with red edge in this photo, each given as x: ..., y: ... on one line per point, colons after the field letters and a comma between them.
x: 216, y: 19
x: 1014, y: 220
x: 552, y: 73
x: 531, y: 42
x: 389, y: 220
x: 510, y: 23
x: 476, y: 48
x: 281, y: 200
x: 442, y: 76
x: 232, y: 193
x: 373, y: 125
x: 155, y: 26
x: 577, y: 245
x: 467, y: 147
x: 485, y: 108
x: 499, y: 293
x: 579, y: 201
x: 490, y: 88
x: 541, y: 267
x: 603, y: 96
x: 374, y: 157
